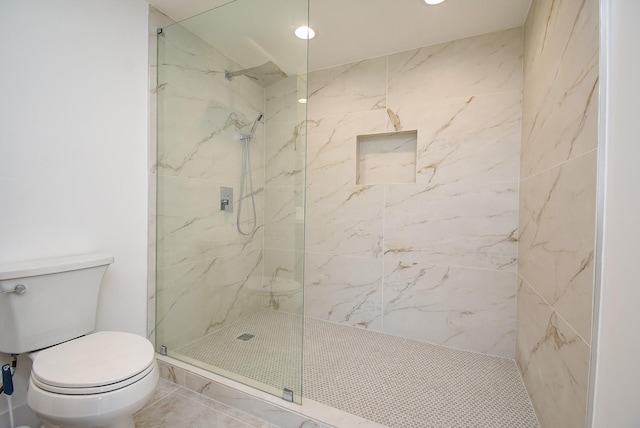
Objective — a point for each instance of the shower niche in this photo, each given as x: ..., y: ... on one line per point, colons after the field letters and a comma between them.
x: 387, y: 158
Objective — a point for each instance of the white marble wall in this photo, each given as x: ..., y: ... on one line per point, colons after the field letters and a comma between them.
x: 207, y: 273
x: 284, y: 194
x: 557, y: 207
x: 433, y: 260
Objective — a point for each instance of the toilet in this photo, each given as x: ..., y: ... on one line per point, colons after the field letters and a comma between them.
x: 79, y: 378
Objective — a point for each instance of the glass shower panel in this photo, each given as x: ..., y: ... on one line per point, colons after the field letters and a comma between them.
x: 230, y: 192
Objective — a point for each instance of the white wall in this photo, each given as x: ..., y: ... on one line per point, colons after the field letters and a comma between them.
x: 73, y: 141
x: 617, y: 371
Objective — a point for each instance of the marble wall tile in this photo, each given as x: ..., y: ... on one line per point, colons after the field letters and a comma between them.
x: 199, y: 70
x: 172, y: 373
x: 345, y: 290
x: 283, y: 280
x: 202, y: 113
x: 284, y: 219
x: 415, y: 301
x: 554, y: 362
x: 285, y: 152
x: 282, y: 100
x: 557, y: 207
x: 350, y: 88
x: 557, y: 218
x: 482, y: 315
x: 475, y: 138
x: 197, y: 298
x: 460, y: 68
x: 463, y: 99
x: 470, y: 225
x: 191, y: 226
x: 345, y: 220
x: 331, y: 147
x: 463, y: 308
x: 199, y: 139
x: 561, y: 85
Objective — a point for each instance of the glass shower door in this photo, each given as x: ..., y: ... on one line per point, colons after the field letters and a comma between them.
x: 230, y: 192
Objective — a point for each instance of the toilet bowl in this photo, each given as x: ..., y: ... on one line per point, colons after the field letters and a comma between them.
x: 79, y: 378
x: 99, y: 380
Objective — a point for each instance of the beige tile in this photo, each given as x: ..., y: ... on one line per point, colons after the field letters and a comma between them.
x: 213, y: 292
x: 468, y: 309
x: 476, y: 138
x: 465, y: 225
x: 554, y: 362
x: 460, y: 68
x: 350, y: 88
x: 283, y: 218
x: 560, y: 115
x: 556, y: 248
x: 171, y: 373
x: 331, y: 149
x: 345, y: 290
x: 346, y: 221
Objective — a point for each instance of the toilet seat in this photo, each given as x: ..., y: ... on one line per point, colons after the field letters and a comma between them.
x: 93, y: 364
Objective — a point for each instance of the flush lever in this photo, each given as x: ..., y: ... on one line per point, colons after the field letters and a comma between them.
x: 18, y: 289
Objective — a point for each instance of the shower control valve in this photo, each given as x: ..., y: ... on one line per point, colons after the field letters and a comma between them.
x: 226, y: 199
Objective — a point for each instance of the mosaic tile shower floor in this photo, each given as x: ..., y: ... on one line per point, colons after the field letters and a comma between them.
x: 390, y: 380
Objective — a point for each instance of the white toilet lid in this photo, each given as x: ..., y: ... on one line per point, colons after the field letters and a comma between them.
x: 96, y: 360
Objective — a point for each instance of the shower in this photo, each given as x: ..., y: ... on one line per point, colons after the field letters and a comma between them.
x: 247, y: 265
x: 264, y: 75
x: 246, y: 170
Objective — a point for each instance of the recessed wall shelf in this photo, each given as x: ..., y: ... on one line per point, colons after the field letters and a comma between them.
x: 386, y: 158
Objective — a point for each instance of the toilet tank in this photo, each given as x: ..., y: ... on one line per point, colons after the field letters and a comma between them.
x: 46, y: 302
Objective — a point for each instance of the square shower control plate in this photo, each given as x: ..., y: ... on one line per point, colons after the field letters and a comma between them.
x: 226, y: 199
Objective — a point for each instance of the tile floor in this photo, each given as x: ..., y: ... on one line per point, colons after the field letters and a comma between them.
x: 176, y: 407
x: 393, y: 381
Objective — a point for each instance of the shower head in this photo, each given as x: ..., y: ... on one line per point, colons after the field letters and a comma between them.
x: 264, y: 75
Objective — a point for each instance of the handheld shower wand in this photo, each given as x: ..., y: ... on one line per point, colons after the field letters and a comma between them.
x: 255, y: 123
x: 249, y: 136
x: 246, y: 169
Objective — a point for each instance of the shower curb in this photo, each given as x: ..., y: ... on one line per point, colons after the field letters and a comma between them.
x: 272, y: 409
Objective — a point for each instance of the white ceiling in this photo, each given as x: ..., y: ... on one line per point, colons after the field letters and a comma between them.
x: 252, y: 31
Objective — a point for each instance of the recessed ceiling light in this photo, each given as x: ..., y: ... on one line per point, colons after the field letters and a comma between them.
x: 433, y: 1
x: 305, y: 33
x: 302, y: 100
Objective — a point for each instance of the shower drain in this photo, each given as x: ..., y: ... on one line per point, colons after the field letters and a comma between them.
x: 245, y: 337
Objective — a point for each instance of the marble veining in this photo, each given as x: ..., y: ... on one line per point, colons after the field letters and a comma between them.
x: 205, y: 268
x: 474, y: 225
x: 548, y: 345
x: 457, y: 307
x: 351, y: 219
x: 346, y: 290
x: 460, y: 68
x: 350, y: 88
x: 561, y: 50
x: 557, y: 207
x: 557, y: 241
x: 458, y: 213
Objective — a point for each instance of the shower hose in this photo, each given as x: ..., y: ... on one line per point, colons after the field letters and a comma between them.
x: 246, y: 170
